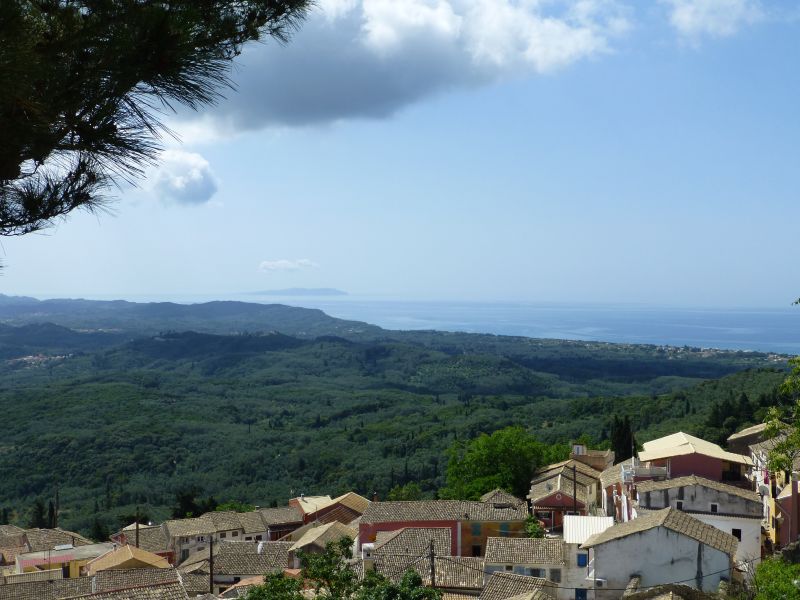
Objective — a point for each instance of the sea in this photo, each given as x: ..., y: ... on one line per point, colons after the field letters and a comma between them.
x: 774, y: 330
x: 769, y: 329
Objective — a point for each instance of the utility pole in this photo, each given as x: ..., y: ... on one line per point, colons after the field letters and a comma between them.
x: 433, y: 566
x: 55, y: 512
x: 211, y: 563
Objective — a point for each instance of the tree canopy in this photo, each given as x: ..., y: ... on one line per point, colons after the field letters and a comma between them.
x: 775, y: 579
x: 505, y: 459
x: 83, y: 83
x: 783, y: 424
x: 331, y: 576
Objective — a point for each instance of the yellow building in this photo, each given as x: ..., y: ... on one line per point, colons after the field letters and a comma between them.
x: 126, y: 557
x: 68, y: 558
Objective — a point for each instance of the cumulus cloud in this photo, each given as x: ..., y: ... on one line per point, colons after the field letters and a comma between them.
x: 184, y: 178
x: 715, y: 18
x: 284, y: 264
x: 369, y: 58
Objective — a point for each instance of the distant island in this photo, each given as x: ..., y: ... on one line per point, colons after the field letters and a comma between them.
x: 300, y: 292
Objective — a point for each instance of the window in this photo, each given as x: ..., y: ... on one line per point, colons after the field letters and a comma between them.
x: 583, y: 559
x: 223, y: 535
x: 504, y: 529
x: 235, y: 534
x: 259, y: 538
x: 248, y: 539
x: 714, y: 507
x: 476, y: 529
x: 532, y: 572
x: 555, y: 575
x: 476, y: 550
x: 737, y: 533
x: 679, y: 505
x: 509, y: 567
x: 580, y: 594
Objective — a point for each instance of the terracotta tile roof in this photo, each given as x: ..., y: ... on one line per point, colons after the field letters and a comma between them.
x: 311, y: 504
x: 582, y: 469
x: 239, y: 590
x: 252, y: 522
x: 246, y: 558
x: 675, y: 520
x: 440, y: 510
x: 115, y: 579
x: 195, y: 583
x: 353, y: 501
x: 47, y: 539
x: 283, y: 515
x: 453, y: 596
x: 123, y: 557
x: 240, y: 558
x: 562, y: 484
x: 679, y: 444
x: 189, y: 527
x: 752, y: 430
x: 342, y: 514
x: 9, y: 555
x: 161, y: 591
x: 218, y: 521
x: 503, y: 586
x: 226, y: 520
x: 456, y: 572
x: 691, y: 480
x: 613, y: 474
x: 322, y: 535
x: 415, y: 541
x: 46, y: 590
x: 498, y: 496
x: 670, y: 592
x: 151, y: 538
x: 525, y: 551
x: 11, y: 530
x: 11, y: 536
x: 195, y: 560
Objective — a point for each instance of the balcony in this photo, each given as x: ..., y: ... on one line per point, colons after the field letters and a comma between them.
x: 630, y: 473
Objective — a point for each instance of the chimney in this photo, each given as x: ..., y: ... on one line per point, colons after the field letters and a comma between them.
x: 374, y: 496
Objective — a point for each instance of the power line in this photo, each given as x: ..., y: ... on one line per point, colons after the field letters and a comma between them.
x: 559, y: 587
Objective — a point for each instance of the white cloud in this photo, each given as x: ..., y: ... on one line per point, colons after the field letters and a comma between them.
x: 513, y: 35
x: 388, y: 23
x: 184, y: 178
x: 694, y: 19
x: 284, y: 264
x: 370, y: 58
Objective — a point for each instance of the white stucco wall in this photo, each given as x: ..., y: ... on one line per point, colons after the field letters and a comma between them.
x: 573, y: 576
x: 658, y: 556
x: 700, y: 498
x: 749, y: 549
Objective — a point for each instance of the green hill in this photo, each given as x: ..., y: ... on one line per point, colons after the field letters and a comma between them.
x: 116, y: 422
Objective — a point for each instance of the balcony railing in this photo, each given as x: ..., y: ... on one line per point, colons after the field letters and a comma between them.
x: 630, y: 472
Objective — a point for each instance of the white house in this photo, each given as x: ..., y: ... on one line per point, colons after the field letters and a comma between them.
x: 577, y: 530
x: 665, y: 546
x: 535, y: 557
x: 728, y: 508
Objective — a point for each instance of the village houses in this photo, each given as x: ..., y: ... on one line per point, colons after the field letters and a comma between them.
x: 683, y: 515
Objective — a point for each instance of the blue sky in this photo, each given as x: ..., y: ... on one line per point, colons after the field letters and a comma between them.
x: 538, y: 150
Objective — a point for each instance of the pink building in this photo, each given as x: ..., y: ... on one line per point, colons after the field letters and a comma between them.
x: 682, y: 454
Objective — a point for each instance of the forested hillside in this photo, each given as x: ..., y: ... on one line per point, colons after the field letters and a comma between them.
x: 116, y: 420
